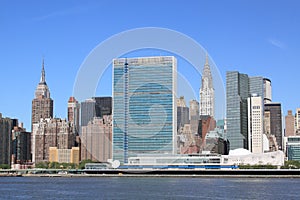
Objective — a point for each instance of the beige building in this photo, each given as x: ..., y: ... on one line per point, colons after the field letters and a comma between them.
x: 96, y: 139
x: 289, y: 124
x: 64, y: 155
x: 194, y: 115
x: 255, y: 124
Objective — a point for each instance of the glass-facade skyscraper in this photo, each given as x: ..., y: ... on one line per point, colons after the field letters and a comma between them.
x: 144, y: 106
x: 238, y: 88
x: 237, y: 92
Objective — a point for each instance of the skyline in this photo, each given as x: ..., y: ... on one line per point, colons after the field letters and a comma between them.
x: 237, y: 36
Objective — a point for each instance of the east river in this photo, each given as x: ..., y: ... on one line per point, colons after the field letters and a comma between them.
x: 148, y: 188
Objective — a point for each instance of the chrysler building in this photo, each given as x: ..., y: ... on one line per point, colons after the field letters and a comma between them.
x: 207, y: 93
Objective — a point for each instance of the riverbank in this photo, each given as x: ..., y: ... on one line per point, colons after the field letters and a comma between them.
x: 234, y: 173
x: 159, y: 176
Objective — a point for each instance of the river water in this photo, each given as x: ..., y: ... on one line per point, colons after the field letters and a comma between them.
x: 148, y: 188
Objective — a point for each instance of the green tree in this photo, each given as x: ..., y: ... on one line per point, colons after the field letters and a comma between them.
x: 4, y: 166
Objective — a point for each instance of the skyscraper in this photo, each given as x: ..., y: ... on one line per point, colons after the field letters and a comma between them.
x: 274, y: 110
x: 88, y: 111
x: 267, y: 90
x: 255, y: 124
x: 194, y: 116
x: 207, y: 93
x: 6, y: 127
x: 144, y: 106
x: 103, y: 106
x: 21, y: 151
x: 95, y: 107
x: 238, y: 88
x: 182, y: 113
x: 289, y: 124
x: 42, y: 104
x: 237, y: 92
x: 74, y: 113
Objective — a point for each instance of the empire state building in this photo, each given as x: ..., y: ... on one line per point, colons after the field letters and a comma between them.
x: 42, y: 104
x: 207, y: 92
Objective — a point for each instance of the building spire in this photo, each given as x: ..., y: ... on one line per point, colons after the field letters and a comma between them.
x: 206, y: 59
x: 43, y: 80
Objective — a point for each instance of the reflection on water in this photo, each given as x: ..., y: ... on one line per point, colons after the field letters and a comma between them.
x: 147, y: 188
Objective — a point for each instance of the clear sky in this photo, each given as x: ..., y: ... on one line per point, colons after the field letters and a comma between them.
x: 253, y: 37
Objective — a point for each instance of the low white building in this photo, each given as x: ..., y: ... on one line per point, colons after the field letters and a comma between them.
x: 245, y: 157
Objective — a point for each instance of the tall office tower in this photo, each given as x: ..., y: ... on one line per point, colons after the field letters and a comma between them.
x: 88, y: 111
x: 256, y: 86
x: 238, y: 88
x: 255, y: 124
x: 95, y: 107
x: 207, y: 92
x: 21, y: 140
x: 103, y: 106
x: 42, y: 104
x: 96, y: 139
x: 237, y: 92
x: 6, y: 127
x: 182, y: 113
x: 274, y: 111
x: 74, y: 113
x: 194, y: 116
x: 289, y: 124
x: 144, y: 106
x: 267, y: 90
x: 51, y: 133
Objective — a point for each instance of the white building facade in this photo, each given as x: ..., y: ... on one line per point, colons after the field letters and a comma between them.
x: 255, y: 124
x: 207, y: 92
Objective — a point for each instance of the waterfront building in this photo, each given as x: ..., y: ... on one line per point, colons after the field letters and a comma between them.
x: 255, y: 124
x: 235, y: 158
x: 182, y: 113
x: 64, y: 155
x: 96, y: 139
x: 207, y: 92
x: 273, y: 110
x: 267, y: 90
x: 144, y: 106
x: 21, y: 146
x: 6, y: 127
x: 194, y: 115
x: 293, y: 148
x: 289, y: 124
x: 51, y: 133
x: 42, y: 104
x: 74, y: 113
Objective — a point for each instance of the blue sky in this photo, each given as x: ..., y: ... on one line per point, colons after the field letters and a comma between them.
x: 253, y: 37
